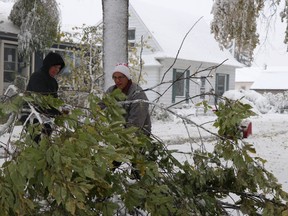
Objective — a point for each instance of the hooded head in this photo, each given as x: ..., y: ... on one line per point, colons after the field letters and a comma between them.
x: 52, y: 59
x: 124, y: 69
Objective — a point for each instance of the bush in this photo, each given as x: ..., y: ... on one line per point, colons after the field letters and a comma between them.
x: 71, y: 172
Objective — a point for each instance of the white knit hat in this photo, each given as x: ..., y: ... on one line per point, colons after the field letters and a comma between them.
x: 124, y: 69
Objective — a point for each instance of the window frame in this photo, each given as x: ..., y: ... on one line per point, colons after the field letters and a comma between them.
x: 13, y: 61
x: 131, y: 41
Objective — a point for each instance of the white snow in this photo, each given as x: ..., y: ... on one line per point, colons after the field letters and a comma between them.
x: 259, y: 103
x: 269, y: 137
x: 247, y: 74
x: 272, y: 79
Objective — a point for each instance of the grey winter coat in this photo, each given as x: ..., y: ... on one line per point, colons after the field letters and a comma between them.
x: 137, y: 114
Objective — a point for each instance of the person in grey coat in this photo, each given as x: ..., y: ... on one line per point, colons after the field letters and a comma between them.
x: 137, y: 114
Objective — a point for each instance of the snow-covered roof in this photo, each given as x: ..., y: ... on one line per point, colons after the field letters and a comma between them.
x: 5, y: 24
x: 272, y: 78
x: 169, y: 25
x: 247, y: 74
x: 150, y: 60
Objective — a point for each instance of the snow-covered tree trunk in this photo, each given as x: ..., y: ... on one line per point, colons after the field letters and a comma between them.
x: 115, y: 35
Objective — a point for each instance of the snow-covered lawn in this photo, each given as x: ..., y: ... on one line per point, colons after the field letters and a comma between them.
x: 269, y: 137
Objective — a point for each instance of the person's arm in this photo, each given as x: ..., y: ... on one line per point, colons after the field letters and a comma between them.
x: 37, y: 84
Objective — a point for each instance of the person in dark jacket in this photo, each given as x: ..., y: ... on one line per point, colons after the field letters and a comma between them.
x: 44, y: 83
x: 137, y: 114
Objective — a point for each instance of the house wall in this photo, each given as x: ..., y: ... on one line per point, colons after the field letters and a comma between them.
x: 273, y: 91
x: 197, y: 69
x: 142, y: 33
x: 151, y: 80
x: 1, y: 67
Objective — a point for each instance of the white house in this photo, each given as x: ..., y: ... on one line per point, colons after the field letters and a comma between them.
x: 165, y: 29
x: 262, y: 79
x: 273, y: 79
x: 174, y: 54
x: 246, y: 76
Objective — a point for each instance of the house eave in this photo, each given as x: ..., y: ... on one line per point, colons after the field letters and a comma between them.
x: 8, y: 36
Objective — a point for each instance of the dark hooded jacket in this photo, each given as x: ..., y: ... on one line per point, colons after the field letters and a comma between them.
x: 41, y: 82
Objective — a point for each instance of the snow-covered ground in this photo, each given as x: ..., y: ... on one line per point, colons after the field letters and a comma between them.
x: 269, y: 137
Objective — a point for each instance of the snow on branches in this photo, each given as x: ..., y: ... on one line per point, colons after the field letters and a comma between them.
x: 38, y: 22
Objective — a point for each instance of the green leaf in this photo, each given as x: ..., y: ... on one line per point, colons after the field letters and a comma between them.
x: 70, y: 205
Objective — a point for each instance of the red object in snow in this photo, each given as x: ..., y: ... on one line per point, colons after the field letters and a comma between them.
x: 246, y: 127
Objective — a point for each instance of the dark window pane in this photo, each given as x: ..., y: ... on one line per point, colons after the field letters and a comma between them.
x: 10, y: 66
x: 179, y: 84
x: 9, y: 54
x: 9, y: 76
x: 131, y: 34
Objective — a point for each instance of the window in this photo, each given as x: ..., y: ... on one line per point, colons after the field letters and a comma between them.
x: 132, y: 37
x: 202, y: 87
x: 10, y: 63
x: 222, y: 84
x: 180, y: 88
x: 179, y: 83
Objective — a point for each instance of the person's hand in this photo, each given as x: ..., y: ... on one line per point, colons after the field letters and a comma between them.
x: 66, y: 109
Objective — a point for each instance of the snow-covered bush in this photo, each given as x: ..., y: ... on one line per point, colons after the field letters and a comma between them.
x: 259, y: 103
x: 279, y: 100
x: 161, y: 114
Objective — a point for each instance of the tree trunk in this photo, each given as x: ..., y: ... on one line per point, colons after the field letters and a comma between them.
x: 115, y: 36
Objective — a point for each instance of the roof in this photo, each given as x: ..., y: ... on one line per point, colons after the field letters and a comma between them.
x: 247, y: 74
x: 5, y: 24
x: 169, y: 25
x: 272, y: 78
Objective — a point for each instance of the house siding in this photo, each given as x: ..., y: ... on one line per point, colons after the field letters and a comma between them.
x: 194, y: 84
x: 152, y: 79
